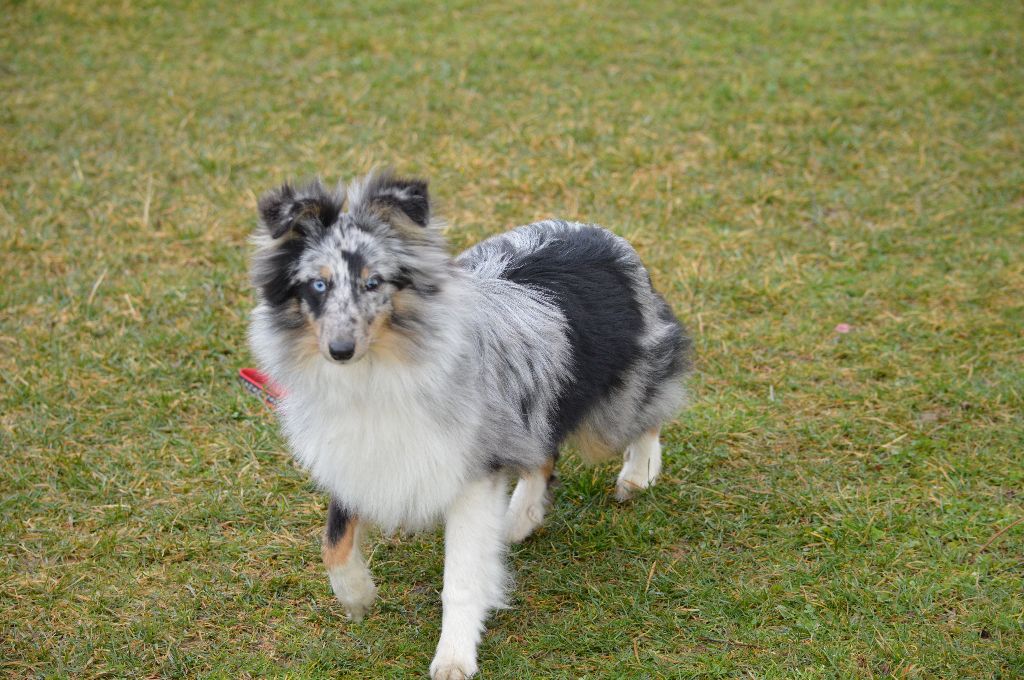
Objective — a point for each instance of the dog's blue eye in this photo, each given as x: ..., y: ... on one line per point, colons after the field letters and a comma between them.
x: 318, y: 285
x: 372, y: 283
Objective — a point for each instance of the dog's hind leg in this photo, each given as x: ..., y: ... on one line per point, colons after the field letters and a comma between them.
x: 642, y: 465
x: 474, y: 575
x: 349, y: 576
x: 529, y: 502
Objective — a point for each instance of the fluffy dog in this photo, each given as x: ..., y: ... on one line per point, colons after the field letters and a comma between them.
x: 418, y: 383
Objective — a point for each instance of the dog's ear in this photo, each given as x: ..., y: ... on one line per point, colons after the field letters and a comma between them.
x: 305, y: 210
x: 398, y: 198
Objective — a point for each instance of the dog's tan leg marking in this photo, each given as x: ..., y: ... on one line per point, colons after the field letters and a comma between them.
x: 350, y: 579
x: 337, y: 554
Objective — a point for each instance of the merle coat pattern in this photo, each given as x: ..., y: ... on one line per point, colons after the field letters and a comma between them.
x: 417, y: 383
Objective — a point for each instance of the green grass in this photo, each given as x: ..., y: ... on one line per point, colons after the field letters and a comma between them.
x: 782, y: 167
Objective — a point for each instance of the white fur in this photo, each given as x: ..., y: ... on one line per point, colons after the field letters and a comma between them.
x: 475, y: 580
x: 642, y: 466
x: 528, y: 505
x: 367, y: 433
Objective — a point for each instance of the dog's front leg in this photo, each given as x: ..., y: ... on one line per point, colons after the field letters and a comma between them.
x: 474, y: 575
x: 350, y: 579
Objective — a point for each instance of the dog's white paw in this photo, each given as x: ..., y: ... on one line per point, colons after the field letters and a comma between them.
x: 522, y: 521
x: 632, y: 480
x: 354, y: 589
x: 625, y: 488
x: 447, y: 668
x: 643, y: 463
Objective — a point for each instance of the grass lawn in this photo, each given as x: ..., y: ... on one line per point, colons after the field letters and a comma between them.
x: 834, y: 504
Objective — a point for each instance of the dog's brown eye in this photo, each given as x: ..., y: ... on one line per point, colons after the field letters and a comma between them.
x: 372, y: 283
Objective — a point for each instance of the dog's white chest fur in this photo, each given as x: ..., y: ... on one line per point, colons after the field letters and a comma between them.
x: 371, y: 438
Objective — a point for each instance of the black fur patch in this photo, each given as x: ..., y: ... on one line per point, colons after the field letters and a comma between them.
x: 583, y: 273
x: 417, y: 281
x: 402, y: 280
x: 308, y: 209
x: 275, y: 275
x: 337, y: 522
x: 525, y: 406
x: 355, y: 262
x: 408, y: 195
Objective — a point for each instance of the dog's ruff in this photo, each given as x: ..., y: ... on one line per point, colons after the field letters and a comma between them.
x: 417, y: 384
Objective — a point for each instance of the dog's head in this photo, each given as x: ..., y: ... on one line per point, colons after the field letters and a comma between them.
x: 346, y: 269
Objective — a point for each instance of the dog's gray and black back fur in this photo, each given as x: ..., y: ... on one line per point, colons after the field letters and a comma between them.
x: 627, y: 353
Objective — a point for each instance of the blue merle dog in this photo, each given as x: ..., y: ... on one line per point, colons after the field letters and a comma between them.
x: 417, y: 383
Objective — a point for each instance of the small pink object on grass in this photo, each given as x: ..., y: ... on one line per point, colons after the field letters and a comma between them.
x: 843, y: 328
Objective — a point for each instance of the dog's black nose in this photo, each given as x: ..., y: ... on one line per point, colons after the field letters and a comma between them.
x: 342, y: 350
